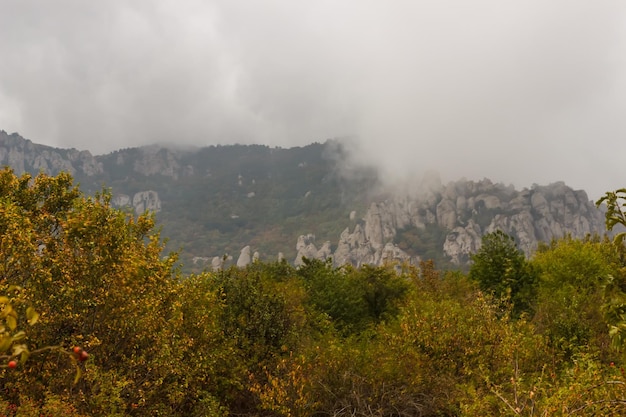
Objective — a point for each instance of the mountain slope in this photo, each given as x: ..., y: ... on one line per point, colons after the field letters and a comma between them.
x: 303, y: 201
x: 447, y: 222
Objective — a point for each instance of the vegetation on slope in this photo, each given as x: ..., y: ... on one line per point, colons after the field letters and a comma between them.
x: 242, y: 195
x: 273, y: 340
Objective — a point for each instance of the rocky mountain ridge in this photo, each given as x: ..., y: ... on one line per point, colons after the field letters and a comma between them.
x: 22, y: 155
x: 463, y: 211
x: 213, y: 201
x: 25, y: 156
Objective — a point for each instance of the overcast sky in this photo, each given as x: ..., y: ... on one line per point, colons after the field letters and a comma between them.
x: 517, y: 91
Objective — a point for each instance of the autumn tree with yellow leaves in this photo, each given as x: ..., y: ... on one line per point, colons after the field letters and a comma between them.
x: 80, y: 279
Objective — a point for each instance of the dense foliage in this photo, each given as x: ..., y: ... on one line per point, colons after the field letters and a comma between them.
x: 501, y: 269
x: 512, y: 337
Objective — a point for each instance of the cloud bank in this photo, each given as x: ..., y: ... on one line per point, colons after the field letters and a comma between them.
x: 520, y: 92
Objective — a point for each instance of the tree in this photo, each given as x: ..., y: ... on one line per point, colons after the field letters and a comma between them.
x: 98, y: 279
x: 571, y: 274
x: 501, y: 269
x: 615, y: 286
x: 334, y: 292
x: 383, y: 288
x: 615, y: 216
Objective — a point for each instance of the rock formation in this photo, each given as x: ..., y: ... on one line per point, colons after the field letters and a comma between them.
x: 353, y: 248
x: 245, y: 257
x: 25, y: 156
x: 146, y: 201
x: 305, y: 248
x: 464, y: 211
x: 141, y: 201
x: 156, y: 160
x: 217, y: 263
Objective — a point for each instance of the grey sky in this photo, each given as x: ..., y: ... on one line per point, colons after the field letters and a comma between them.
x: 517, y: 91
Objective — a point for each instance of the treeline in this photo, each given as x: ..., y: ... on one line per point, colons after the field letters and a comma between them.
x: 512, y: 337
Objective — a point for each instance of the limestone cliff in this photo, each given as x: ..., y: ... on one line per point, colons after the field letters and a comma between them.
x: 141, y: 201
x: 464, y: 211
x: 25, y: 156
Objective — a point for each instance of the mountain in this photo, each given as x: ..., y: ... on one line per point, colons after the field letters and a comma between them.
x: 244, y: 201
x: 446, y: 222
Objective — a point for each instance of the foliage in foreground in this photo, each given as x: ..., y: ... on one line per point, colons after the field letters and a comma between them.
x: 515, y: 337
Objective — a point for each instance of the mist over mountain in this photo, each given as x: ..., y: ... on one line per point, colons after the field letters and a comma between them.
x: 521, y: 92
x: 236, y: 203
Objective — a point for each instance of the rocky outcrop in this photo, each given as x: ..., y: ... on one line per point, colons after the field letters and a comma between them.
x: 463, y: 211
x: 353, y: 248
x: 462, y: 241
x: 534, y: 215
x: 146, y: 201
x: 156, y: 160
x: 363, y: 246
x: 141, y: 202
x: 25, y: 156
x: 217, y: 263
x: 306, y: 249
x: 245, y: 258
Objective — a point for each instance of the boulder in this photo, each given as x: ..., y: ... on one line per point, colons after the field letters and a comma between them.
x: 244, y: 257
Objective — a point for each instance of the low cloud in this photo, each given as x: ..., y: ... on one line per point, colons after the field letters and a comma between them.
x: 519, y: 92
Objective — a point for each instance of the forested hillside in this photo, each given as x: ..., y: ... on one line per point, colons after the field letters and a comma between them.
x: 308, y: 201
x: 96, y: 322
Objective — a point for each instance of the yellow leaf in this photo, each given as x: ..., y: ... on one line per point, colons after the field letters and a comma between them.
x: 18, y: 336
x: 6, y: 310
x: 11, y: 322
x: 18, y: 349
x: 5, y: 343
x: 32, y: 315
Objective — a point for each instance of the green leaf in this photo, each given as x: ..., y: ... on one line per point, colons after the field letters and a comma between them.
x: 4, y: 299
x: 78, y: 375
x: 24, y: 356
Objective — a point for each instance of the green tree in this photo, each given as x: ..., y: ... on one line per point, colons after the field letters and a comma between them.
x: 353, y: 298
x: 572, y: 274
x: 334, y: 292
x: 383, y: 289
x: 615, y: 286
x: 501, y: 269
x: 263, y: 319
x: 615, y: 202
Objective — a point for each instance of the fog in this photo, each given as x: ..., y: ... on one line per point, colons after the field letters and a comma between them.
x: 520, y: 92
